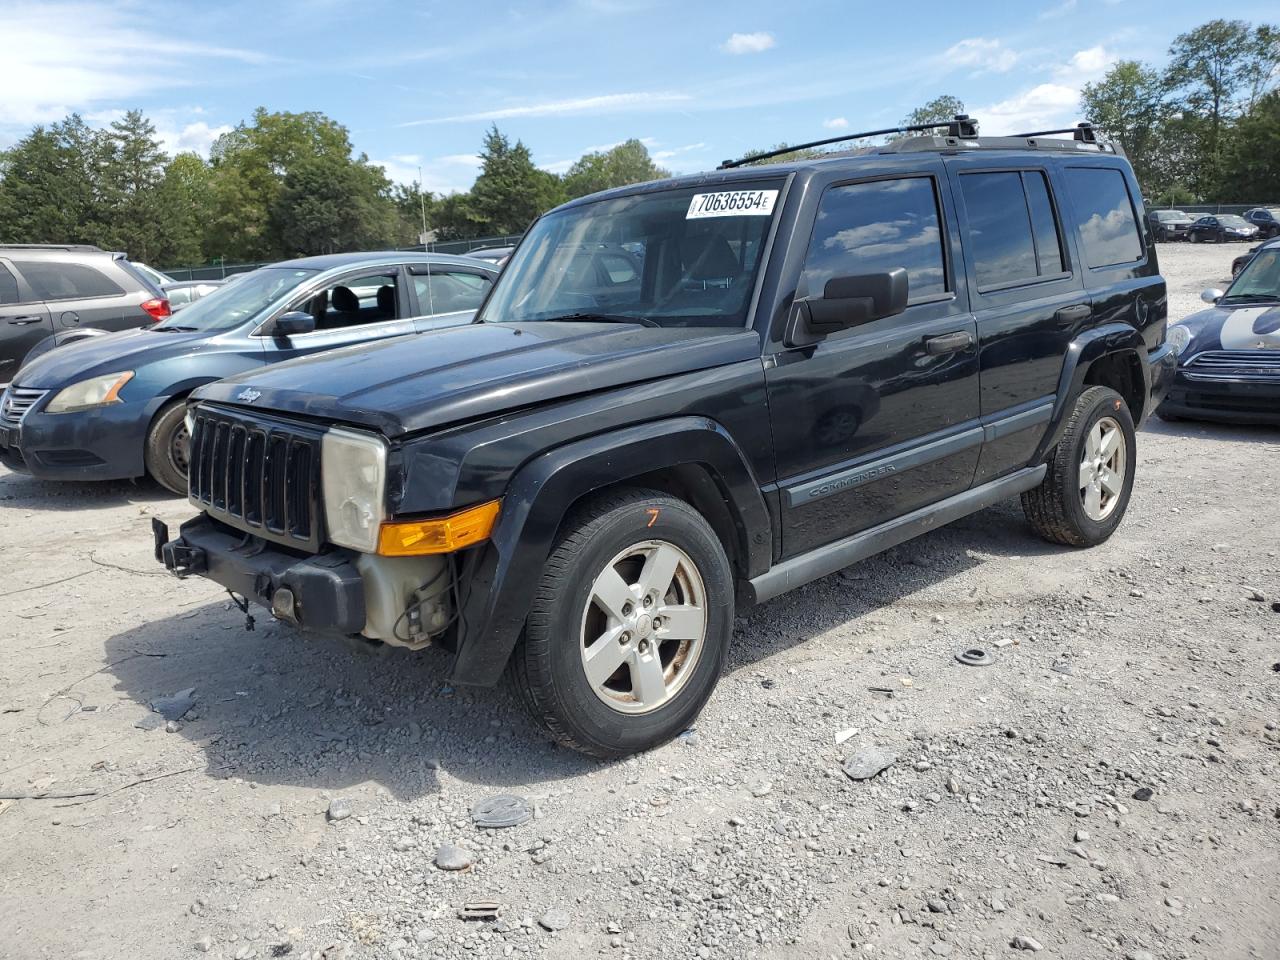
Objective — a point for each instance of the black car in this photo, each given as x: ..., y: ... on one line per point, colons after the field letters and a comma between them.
x: 1169, y: 225
x: 1266, y: 219
x: 1221, y: 228
x: 1229, y: 355
x: 56, y: 291
x: 820, y: 359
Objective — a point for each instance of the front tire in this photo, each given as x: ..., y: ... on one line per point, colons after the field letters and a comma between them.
x: 167, y: 447
x: 1086, y: 491
x: 629, y: 630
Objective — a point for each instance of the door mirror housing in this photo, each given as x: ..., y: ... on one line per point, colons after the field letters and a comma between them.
x: 293, y: 323
x: 848, y: 302
x: 1212, y: 295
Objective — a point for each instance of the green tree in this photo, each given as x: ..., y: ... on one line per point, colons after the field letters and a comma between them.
x: 331, y: 204
x: 52, y: 186
x: 1129, y: 104
x: 1251, y: 165
x: 938, y: 110
x: 628, y: 162
x: 510, y: 191
x: 185, y: 202
x: 131, y: 176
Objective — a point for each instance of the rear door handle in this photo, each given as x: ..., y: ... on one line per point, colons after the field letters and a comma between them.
x: 24, y: 321
x: 1070, y: 316
x: 948, y: 343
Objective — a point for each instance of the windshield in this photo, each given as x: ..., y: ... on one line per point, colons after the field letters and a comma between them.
x: 233, y: 303
x: 1231, y: 220
x: 672, y: 258
x: 1165, y: 215
x: 1260, y: 277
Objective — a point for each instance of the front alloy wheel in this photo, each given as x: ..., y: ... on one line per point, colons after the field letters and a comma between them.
x: 1102, y: 471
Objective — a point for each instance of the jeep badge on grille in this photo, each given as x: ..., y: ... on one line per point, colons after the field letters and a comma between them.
x: 248, y: 395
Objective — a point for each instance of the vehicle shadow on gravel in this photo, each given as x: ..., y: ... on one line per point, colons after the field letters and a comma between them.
x: 276, y: 707
x: 21, y: 492
x: 1212, y: 430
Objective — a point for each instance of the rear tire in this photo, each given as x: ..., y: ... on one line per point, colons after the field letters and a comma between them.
x: 1086, y: 491
x: 166, y: 447
x: 628, y: 633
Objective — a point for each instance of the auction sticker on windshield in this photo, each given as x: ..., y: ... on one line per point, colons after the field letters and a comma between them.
x: 732, y: 203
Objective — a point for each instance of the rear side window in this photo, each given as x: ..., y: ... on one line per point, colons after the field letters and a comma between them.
x: 875, y: 227
x: 446, y: 291
x: 66, y: 281
x: 1107, y: 224
x: 8, y: 286
x: 1013, y: 232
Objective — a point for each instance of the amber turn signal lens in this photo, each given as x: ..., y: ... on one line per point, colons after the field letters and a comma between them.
x: 416, y: 538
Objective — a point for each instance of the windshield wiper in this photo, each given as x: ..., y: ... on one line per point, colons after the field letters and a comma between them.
x: 175, y: 326
x: 600, y: 318
x: 1251, y: 298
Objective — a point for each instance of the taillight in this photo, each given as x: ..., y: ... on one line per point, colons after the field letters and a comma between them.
x: 157, y: 308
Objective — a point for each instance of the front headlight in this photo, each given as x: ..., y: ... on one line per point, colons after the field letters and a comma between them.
x: 96, y: 392
x: 1178, y: 337
x: 353, y: 469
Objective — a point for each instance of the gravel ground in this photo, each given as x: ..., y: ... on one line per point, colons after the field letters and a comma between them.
x: 1107, y: 788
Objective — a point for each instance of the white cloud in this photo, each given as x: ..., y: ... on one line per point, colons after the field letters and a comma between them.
x: 1086, y: 65
x: 62, y: 57
x: 195, y: 137
x: 836, y: 123
x: 452, y: 173
x: 740, y: 43
x: 1061, y: 10
x: 608, y: 103
x: 986, y: 56
x: 1049, y: 105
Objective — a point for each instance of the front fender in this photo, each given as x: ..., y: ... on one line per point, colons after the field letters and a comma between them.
x: 1082, y: 353
x: 500, y: 583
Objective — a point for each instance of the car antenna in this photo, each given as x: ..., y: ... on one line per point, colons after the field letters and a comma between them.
x: 961, y: 125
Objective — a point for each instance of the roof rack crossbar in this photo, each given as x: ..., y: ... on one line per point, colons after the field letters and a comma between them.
x: 962, y: 125
x: 1084, y: 132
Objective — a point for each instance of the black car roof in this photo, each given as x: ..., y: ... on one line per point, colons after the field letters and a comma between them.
x: 330, y: 261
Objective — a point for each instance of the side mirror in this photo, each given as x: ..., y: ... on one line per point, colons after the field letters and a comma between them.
x: 847, y: 302
x: 1212, y: 295
x: 293, y: 323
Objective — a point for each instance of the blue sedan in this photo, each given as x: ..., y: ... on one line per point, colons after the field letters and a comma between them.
x: 112, y: 406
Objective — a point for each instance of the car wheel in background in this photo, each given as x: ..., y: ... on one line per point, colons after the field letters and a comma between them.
x: 628, y: 632
x: 1083, y: 497
x: 167, y: 447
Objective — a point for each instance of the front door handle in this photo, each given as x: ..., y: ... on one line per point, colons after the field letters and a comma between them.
x: 24, y: 321
x: 1070, y: 316
x: 948, y: 343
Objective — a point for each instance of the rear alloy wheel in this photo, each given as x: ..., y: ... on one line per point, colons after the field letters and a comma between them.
x: 168, y: 447
x: 1086, y: 490
x: 628, y: 632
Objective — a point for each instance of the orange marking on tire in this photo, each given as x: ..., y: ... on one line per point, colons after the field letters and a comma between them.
x: 653, y: 516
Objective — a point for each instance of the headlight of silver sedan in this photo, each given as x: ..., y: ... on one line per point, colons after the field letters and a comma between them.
x: 353, y: 468
x: 94, y: 392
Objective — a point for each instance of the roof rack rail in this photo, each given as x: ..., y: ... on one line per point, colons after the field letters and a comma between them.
x: 962, y: 125
x: 74, y: 247
x: 1084, y: 132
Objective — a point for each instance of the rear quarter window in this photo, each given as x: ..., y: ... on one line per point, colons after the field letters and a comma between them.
x: 66, y: 281
x: 1108, y: 227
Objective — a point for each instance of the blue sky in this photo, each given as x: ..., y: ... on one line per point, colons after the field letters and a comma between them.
x: 418, y: 83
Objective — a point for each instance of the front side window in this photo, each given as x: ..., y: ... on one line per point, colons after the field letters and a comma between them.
x: 1013, y: 231
x: 50, y: 280
x: 680, y: 257
x: 875, y: 227
x: 1108, y: 227
x: 354, y: 301
x: 448, y: 291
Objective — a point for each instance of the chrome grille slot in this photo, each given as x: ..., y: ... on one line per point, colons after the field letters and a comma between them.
x: 15, y: 402
x: 1235, y: 365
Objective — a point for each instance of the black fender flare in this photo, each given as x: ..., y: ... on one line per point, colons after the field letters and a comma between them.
x: 499, y: 583
x: 1082, y: 353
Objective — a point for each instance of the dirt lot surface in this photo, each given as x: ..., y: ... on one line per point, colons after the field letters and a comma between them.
x: 1107, y: 788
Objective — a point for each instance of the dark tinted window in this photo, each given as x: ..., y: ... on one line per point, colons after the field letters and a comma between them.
x: 66, y: 281
x: 8, y: 286
x: 1013, y: 232
x: 1044, y: 227
x: 875, y: 227
x: 1107, y: 224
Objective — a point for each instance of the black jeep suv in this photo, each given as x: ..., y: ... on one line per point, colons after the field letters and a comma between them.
x: 791, y: 367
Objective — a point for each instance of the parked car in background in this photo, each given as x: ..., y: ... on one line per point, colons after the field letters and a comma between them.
x: 112, y: 407
x: 1266, y: 219
x: 48, y: 290
x: 495, y: 255
x: 1238, y: 263
x: 1220, y: 228
x: 183, y: 293
x: 157, y: 278
x: 1229, y: 354
x: 1169, y: 225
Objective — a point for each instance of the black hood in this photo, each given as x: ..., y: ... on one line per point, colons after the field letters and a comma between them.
x: 423, y: 382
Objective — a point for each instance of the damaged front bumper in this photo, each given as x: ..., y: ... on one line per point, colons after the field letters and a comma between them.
x: 324, y: 593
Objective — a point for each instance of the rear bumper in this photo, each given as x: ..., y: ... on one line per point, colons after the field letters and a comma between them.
x: 1229, y: 401
x: 322, y: 593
